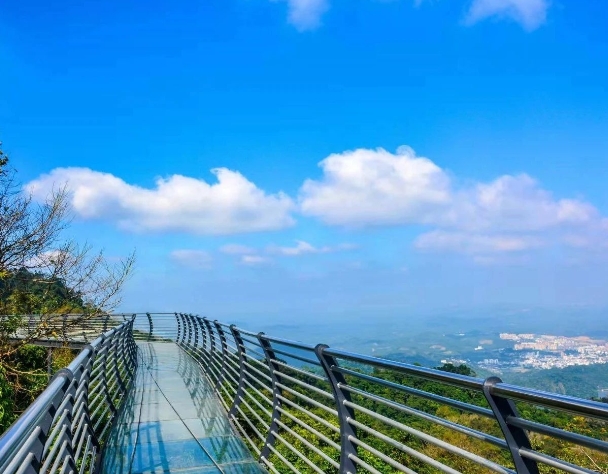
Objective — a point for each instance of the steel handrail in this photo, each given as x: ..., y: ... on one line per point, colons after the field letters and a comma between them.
x: 300, y: 378
x: 298, y: 405
x: 65, y: 428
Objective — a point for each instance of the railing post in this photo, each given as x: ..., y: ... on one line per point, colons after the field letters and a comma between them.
x: 212, y: 350
x: 67, y: 404
x: 115, y: 349
x: 276, y: 400
x: 221, y: 376
x: 38, y: 448
x: 105, y: 347
x: 193, y: 319
x: 210, y: 333
x: 151, y: 326
x: 515, y: 437
x: 202, y: 352
x: 187, y: 318
x: 345, y: 413
x: 49, y: 363
x: 240, y: 391
x: 133, y: 347
x: 179, y: 329
x: 63, y: 326
x: 85, y: 427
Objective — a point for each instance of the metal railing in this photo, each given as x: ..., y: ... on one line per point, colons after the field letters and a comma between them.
x: 304, y: 408
x: 313, y: 409
x: 65, y: 428
x: 60, y: 330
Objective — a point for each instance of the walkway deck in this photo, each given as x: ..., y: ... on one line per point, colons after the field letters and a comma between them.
x: 173, y: 422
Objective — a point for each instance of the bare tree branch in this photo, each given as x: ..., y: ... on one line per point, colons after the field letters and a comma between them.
x: 43, y: 273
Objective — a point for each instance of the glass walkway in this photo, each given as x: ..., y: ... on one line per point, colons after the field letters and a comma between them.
x: 221, y: 399
x: 173, y: 421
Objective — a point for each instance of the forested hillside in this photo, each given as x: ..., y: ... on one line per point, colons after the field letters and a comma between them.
x: 577, y: 381
x: 408, y: 427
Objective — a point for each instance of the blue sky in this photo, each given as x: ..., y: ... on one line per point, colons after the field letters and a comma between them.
x: 315, y: 158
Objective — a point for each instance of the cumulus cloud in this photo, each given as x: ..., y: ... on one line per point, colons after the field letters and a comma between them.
x: 375, y: 187
x: 303, y: 248
x: 178, y: 203
x: 529, y: 13
x: 513, y: 203
x: 192, y: 258
x: 305, y: 14
x: 254, y: 260
x: 236, y: 249
x: 475, y: 243
x: 364, y: 188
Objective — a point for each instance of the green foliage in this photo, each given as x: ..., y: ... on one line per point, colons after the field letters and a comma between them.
x: 406, y: 426
x: 461, y: 369
x: 7, y: 408
x: 31, y: 358
x: 24, y: 376
x: 26, y: 292
x: 577, y: 381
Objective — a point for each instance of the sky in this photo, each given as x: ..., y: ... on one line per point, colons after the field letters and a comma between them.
x: 319, y: 159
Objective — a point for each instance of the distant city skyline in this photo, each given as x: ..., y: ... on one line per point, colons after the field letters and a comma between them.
x: 319, y: 158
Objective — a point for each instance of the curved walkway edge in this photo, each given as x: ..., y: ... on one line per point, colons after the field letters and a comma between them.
x: 172, y: 422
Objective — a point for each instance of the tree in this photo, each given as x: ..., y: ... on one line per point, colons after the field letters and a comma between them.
x: 43, y: 274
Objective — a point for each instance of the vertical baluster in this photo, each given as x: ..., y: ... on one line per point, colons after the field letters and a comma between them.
x: 37, y: 448
x: 515, y: 437
x: 68, y: 407
x: 347, y: 431
x: 275, y: 375
x: 151, y: 325
x: 85, y: 427
x: 212, y: 350
x: 202, y: 351
x: 115, y: 349
x: 195, y: 331
x: 240, y: 391
x: 105, y: 348
x: 179, y: 329
x: 224, y: 354
x: 188, y: 320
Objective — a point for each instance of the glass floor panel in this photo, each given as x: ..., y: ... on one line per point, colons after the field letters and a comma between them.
x: 172, y: 421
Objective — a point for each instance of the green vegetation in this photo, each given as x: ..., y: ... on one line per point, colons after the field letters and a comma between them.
x: 43, y: 276
x: 577, y: 381
x: 25, y: 375
x: 26, y: 292
x: 406, y: 426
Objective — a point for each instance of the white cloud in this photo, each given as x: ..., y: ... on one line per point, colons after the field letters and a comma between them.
x: 254, y: 260
x: 302, y: 248
x: 364, y: 188
x: 192, y: 258
x: 513, y: 203
x: 178, y: 203
x: 475, y: 243
x: 529, y: 13
x: 306, y: 14
x: 374, y: 187
x: 236, y: 249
